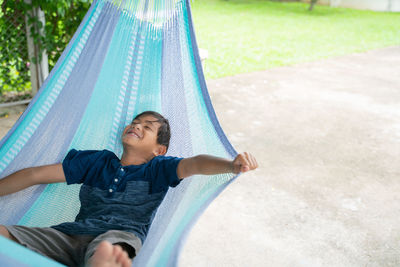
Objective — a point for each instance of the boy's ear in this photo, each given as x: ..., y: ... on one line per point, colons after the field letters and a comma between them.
x: 161, y: 150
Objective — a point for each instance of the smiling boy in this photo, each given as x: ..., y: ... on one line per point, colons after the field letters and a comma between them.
x: 119, y: 197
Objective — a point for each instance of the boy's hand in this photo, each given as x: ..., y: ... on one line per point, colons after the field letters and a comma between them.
x: 244, y: 162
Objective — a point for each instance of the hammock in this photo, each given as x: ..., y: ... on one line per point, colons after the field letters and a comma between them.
x: 126, y: 57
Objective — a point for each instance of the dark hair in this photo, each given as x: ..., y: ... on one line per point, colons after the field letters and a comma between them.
x: 164, y: 132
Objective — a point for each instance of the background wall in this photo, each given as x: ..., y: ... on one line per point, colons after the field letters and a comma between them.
x: 376, y: 5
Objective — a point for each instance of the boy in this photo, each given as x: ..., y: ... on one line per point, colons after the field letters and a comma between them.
x: 119, y: 197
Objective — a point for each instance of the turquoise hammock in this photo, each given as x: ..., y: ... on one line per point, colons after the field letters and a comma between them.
x: 126, y: 57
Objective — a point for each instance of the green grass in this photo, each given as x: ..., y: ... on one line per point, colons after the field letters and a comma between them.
x: 249, y: 35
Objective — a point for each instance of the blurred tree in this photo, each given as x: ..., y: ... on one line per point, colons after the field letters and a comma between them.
x: 312, y: 4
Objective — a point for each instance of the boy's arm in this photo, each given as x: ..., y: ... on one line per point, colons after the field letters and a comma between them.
x: 30, y: 176
x: 209, y: 165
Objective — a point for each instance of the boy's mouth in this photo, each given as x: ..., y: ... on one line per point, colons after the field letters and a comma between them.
x: 133, y: 133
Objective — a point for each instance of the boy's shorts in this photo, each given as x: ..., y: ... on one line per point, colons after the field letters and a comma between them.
x: 70, y: 250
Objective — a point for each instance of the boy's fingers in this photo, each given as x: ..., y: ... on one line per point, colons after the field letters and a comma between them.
x: 244, y: 162
x: 247, y: 162
x: 245, y: 159
x: 245, y: 168
x: 254, y: 163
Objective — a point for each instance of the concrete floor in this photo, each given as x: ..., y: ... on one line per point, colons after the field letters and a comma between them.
x: 327, y: 138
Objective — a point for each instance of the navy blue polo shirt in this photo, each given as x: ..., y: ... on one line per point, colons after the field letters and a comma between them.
x: 116, y: 197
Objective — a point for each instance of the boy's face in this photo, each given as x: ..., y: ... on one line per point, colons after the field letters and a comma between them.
x: 141, y: 135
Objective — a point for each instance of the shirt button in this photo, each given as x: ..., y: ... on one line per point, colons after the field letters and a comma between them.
x: 110, y: 190
x: 122, y: 169
x: 116, y: 180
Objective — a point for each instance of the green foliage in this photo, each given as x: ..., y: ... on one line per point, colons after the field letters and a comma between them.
x: 62, y: 19
x: 14, y: 74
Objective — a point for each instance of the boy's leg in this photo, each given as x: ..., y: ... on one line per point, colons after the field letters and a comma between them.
x: 4, y: 232
x: 108, y: 255
x: 51, y: 243
x: 129, y: 242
